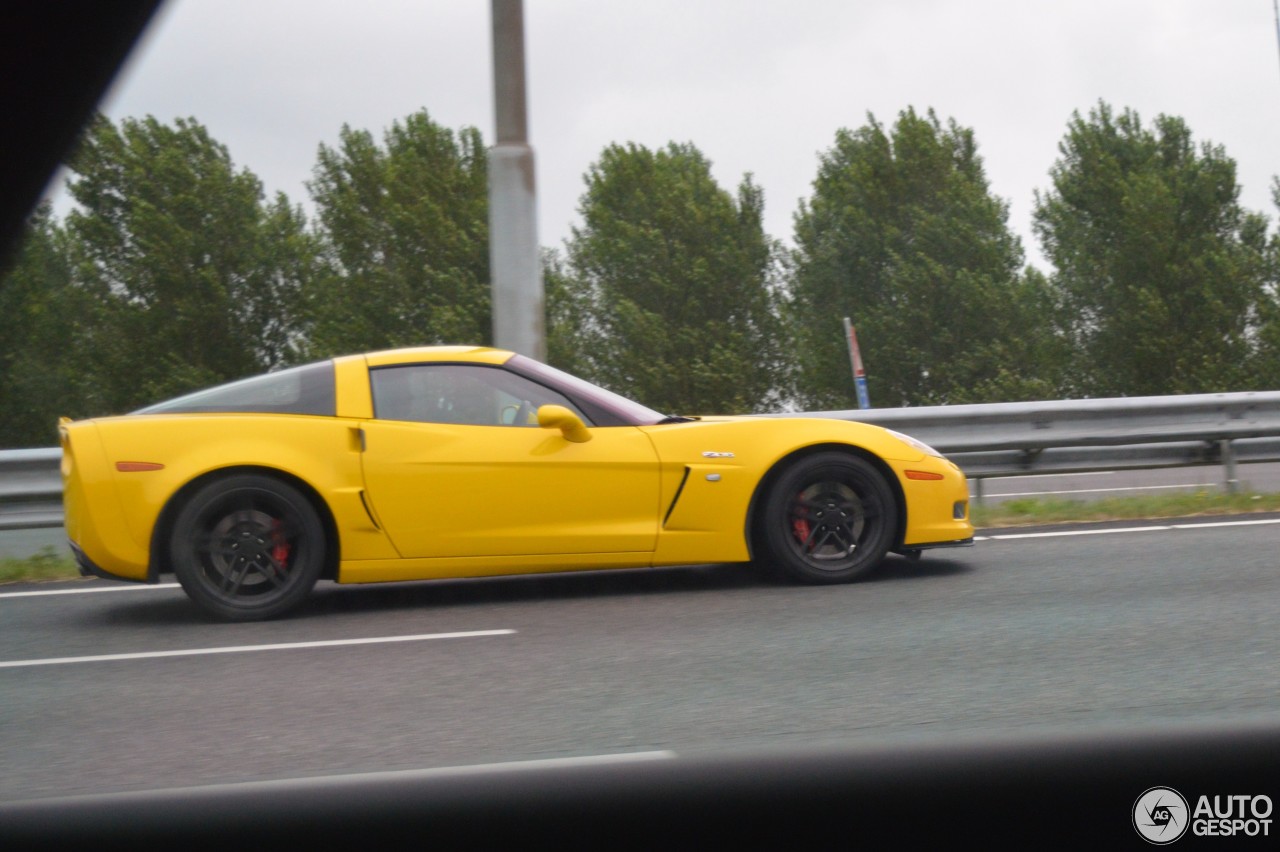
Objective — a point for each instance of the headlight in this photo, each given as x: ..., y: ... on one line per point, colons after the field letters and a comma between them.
x: 919, y: 445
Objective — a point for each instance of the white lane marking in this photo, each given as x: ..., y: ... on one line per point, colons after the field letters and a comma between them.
x: 1063, y: 533
x: 1227, y: 524
x: 141, y: 587
x: 451, y: 771
x: 1052, y: 475
x: 318, y: 781
x: 1096, y: 490
x: 1157, y: 527
x: 240, y: 649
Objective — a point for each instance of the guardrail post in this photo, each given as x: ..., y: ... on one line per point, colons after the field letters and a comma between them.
x: 1229, y: 466
x: 977, y: 490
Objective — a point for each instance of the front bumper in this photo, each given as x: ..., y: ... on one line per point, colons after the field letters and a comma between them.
x: 936, y: 497
x: 934, y: 545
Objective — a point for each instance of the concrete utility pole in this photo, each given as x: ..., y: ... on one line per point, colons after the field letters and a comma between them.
x: 518, y: 313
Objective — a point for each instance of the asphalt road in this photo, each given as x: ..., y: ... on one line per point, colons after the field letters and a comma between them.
x: 1150, y: 627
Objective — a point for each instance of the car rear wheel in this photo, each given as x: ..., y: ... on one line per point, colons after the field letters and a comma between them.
x: 829, y: 518
x: 247, y: 547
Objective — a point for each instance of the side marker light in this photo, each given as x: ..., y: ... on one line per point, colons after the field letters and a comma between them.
x: 135, y: 467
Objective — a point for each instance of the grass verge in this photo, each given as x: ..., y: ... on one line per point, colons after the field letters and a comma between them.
x: 1030, y: 511
x: 48, y: 564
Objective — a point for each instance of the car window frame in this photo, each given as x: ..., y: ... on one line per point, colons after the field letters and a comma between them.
x: 565, y: 400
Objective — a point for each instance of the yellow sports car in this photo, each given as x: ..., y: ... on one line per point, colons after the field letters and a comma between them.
x: 455, y: 461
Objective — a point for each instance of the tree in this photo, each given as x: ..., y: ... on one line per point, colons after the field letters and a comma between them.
x: 1159, y: 269
x: 1265, y: 363
x: 406, y: 236
x: 670, y: 286
x: 40, y: 315
x: 903, y: 236
x: 193, y: 278
x: 568, y: 315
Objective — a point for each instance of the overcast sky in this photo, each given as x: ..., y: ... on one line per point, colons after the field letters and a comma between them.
x: 758, y: 86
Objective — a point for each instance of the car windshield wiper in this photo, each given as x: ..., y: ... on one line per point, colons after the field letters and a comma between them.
x: 677, y: 418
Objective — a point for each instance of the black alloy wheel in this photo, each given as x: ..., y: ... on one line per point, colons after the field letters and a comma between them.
x: 247, y: 547
x: 829, y: 518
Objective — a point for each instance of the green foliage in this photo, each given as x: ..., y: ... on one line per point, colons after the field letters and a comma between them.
x: 568, y: 316
x: 1265, y: 363
x: 1056, y: 510
x: 1159, y: 270
x: 174, y: 272
x: 903, y: 236
x: 192, y: 279
x: 670, y: 293
x: 47, y: 564
x: 41, y: 316
x: 406, y: 238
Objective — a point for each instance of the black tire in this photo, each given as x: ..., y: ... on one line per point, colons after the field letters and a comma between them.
x: 829, y: 518
x: 247, y: 547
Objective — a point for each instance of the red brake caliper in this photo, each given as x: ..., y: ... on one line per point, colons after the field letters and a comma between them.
x: 279, y: 547
x: 800, y: 526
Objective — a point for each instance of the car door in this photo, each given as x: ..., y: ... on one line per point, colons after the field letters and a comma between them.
x: 455, y: 466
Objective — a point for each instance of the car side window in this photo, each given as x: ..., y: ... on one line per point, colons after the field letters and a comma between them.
x: 469, y: 394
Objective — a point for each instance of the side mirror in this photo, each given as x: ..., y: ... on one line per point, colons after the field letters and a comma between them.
x: 569, y: 424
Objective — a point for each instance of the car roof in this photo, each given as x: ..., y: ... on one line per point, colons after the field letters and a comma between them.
x: 420, y: 354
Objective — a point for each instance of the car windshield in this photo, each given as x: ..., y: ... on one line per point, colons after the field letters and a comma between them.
x: 626, y: 410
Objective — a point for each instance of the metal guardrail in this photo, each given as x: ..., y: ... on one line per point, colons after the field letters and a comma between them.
x: 1002, y: 439
x: 1033, y: 426
x: 1076, y: 436
x: 30, y: 488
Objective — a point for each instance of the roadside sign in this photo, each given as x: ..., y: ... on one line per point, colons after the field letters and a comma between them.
x: 855, y: 358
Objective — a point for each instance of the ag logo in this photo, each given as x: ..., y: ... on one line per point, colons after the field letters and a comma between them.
x: 1161, y: 815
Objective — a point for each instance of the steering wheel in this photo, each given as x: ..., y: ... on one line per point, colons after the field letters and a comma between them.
x: 523, y: 413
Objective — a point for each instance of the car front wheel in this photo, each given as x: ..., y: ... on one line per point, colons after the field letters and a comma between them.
x: 829, y: 518
x: 247, y: 547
